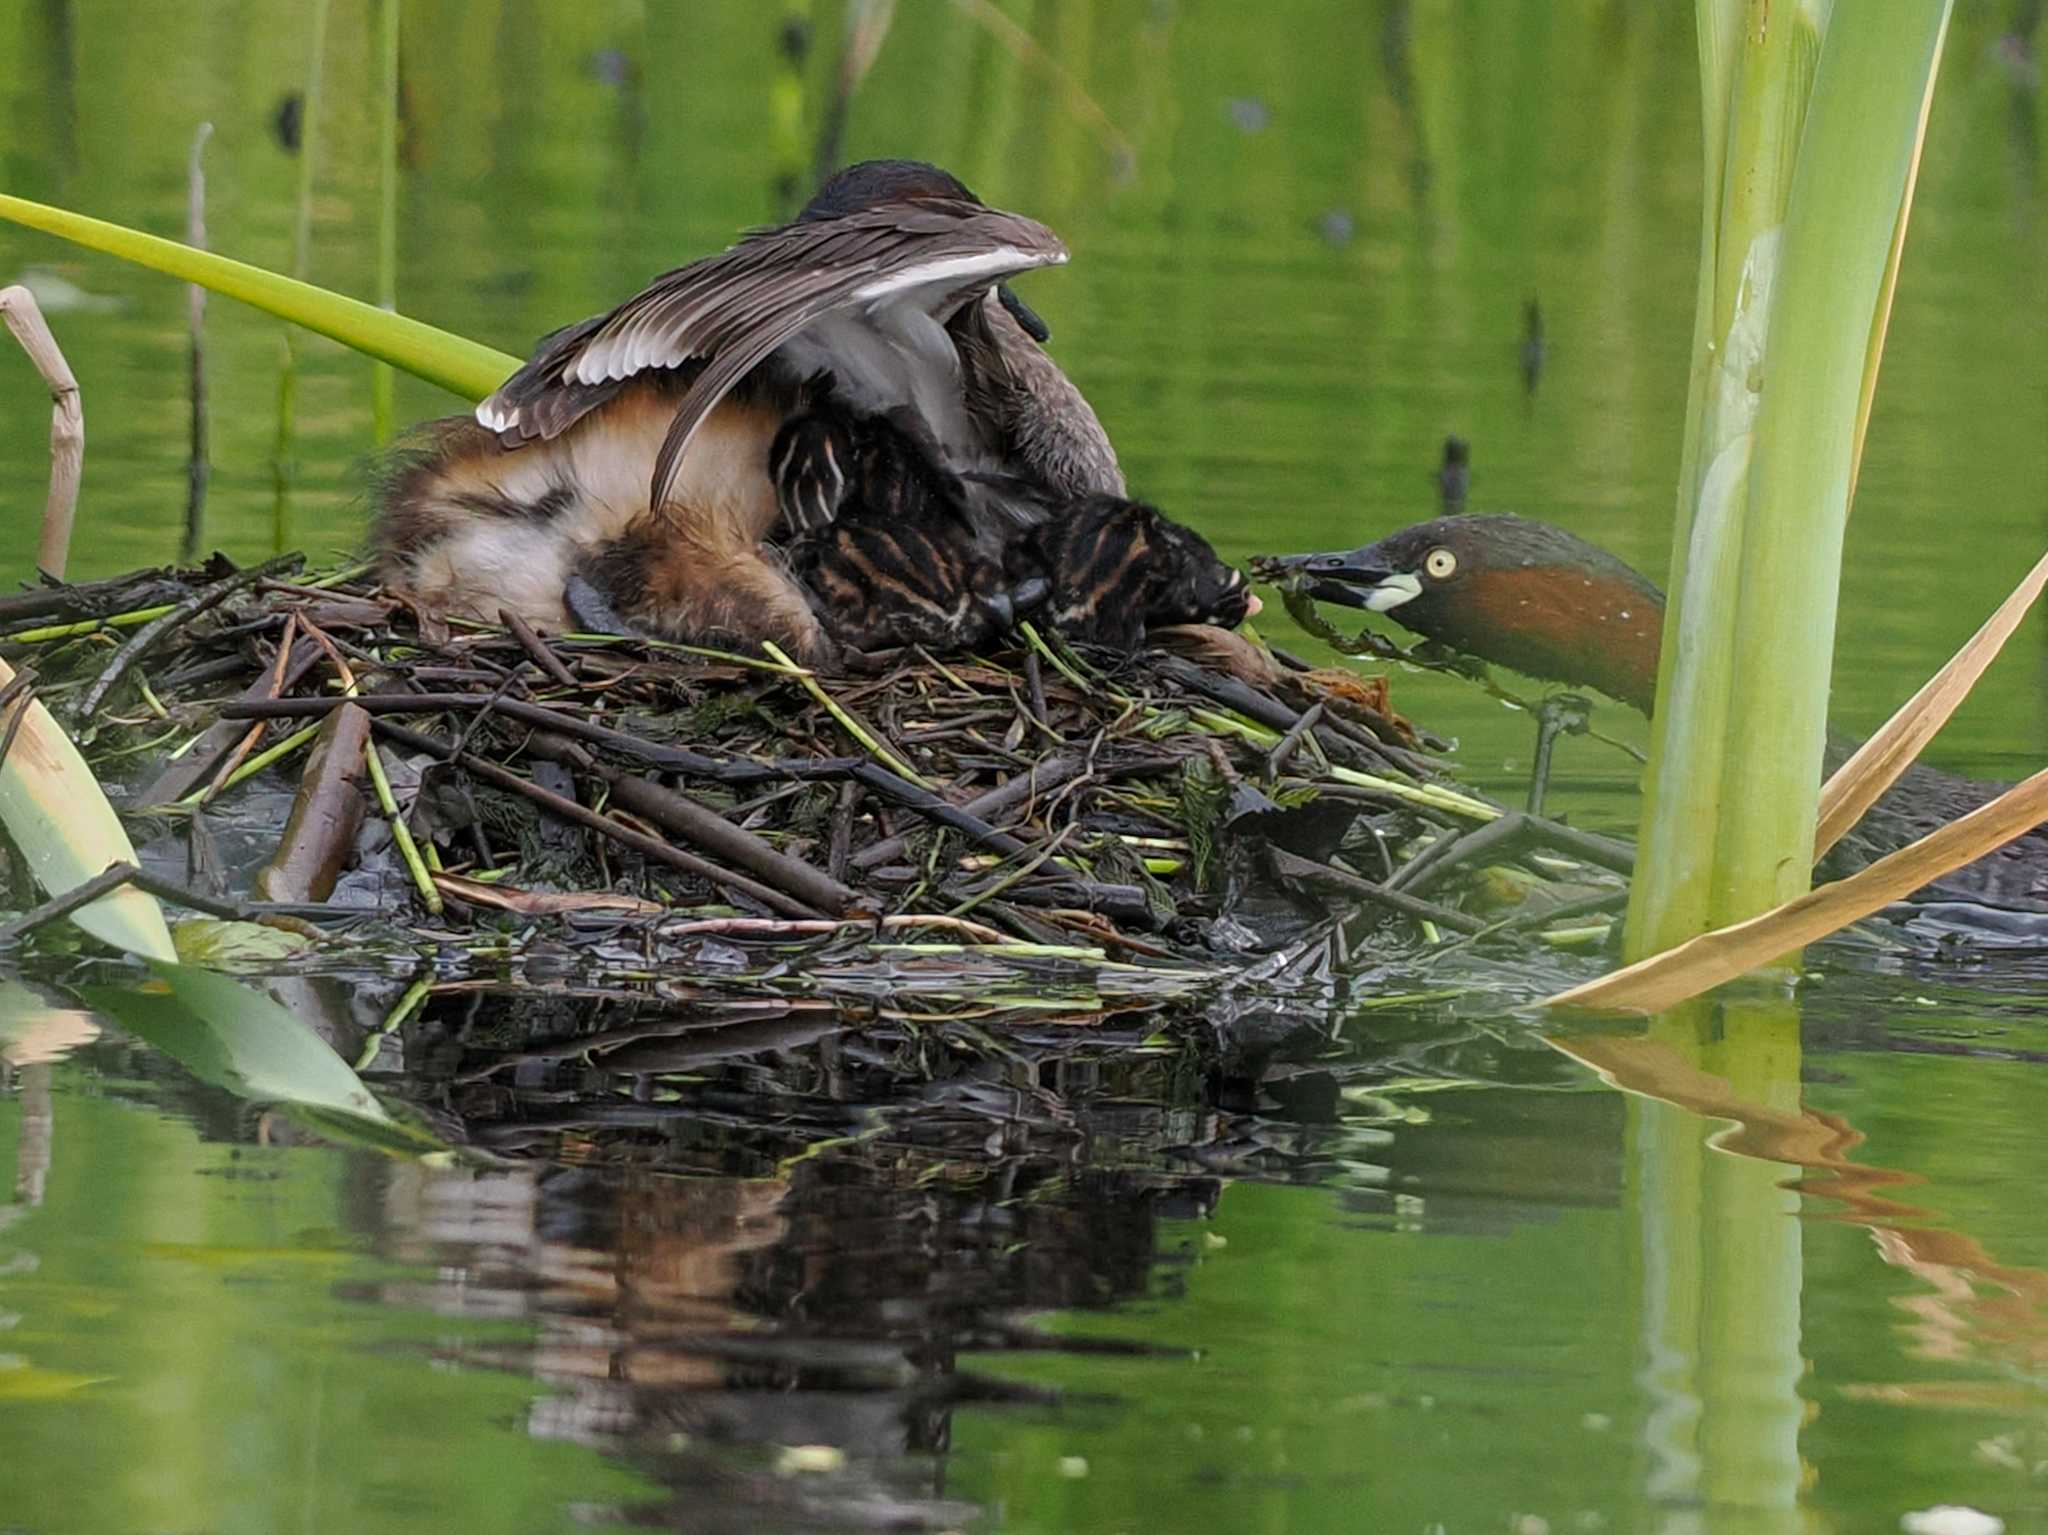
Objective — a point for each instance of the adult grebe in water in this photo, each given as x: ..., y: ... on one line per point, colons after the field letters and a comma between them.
x: 1538, y: 600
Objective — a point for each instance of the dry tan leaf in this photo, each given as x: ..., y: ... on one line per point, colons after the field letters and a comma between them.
x: 1225, y: 649
x: 1664, y: 980
x: 541, y: 903
x: 350, y: 612
x: 1857, y: 783
x: 1372, y: 696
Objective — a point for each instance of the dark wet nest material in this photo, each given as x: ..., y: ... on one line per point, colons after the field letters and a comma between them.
x: 313, y: 750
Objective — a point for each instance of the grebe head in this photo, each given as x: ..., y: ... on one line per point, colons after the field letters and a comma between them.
x: 872, y: 183
x: 879, y: 183
x: 1517, y: 593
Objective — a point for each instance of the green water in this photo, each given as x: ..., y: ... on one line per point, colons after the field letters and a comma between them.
x: 1304, y: 1296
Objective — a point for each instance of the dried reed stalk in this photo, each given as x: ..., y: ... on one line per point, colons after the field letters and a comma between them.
x: 67, y: 424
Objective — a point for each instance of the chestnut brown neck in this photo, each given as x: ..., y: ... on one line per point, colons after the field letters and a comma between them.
x: 1565, y: 623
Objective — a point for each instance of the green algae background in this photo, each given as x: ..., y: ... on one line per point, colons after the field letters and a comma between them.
x: 1305, y: 235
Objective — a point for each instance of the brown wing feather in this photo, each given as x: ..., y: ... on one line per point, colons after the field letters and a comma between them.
x: 731, y: 310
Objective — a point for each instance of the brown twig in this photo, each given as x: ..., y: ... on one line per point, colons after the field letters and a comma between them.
x: 537, y: 648
x: 1035, y: 780
x: 112, y: 877
x: 1306, y: 871
x: 567, y: 809
x: 1277, y: 759
x: 841, y: 843
x: 239, y: 752
x: 1034, y: 685
x: 708, y: 830
x: 150, y: 633
x: 325, y: 816
x: 67, y: 424
x: 180, y: 777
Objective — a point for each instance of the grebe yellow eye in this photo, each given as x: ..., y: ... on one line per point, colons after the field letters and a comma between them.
x: 1441, y: 564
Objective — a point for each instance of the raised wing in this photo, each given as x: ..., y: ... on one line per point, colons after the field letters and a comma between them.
x: 727, y: 313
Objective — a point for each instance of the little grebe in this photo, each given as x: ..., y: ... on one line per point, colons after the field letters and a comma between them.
x: 1531, y: 597
x: 636, y: 446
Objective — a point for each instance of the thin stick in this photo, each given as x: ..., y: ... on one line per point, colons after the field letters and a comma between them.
x: 430, y: 894
x: 234, y: 758
x: 224, y: 907
x: 415, y: 994
x: 198, y: 469
x: 847, y: 722
x: 1034, y: 688
x: 1512, y: 831
x: 175, y: 618
x: 841, y: 842
x: 1037, y: 643
x: 373, y: 759
x: 1022, y: 872
x: 112, y: 877
x: 256, y: 764
x: 67, y: 424
x: 224, y: 744
x: 537, y: 647
x: 568, y: 810
x: 118, y: 874
x: 1278, y: 757
x: 1307, y: 871
x: 709, y: 830
x: 1040, y: 776
x: 88, y: 626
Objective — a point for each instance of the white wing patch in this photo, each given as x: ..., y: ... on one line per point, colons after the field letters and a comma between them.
x: 957, y: 270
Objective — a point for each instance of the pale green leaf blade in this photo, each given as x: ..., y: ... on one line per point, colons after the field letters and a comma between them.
x: 53, y: 809
x: 242, y: 1040
x: 425, y: 351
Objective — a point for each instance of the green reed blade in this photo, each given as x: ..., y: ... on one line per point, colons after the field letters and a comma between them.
x: 455, y: 363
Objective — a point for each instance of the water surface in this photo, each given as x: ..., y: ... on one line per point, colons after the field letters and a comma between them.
x: 1414, y: 1269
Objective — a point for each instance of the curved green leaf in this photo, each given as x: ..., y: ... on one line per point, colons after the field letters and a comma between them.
x: 238, y: 1038
x: 52, y: 807
x: 425, y: 351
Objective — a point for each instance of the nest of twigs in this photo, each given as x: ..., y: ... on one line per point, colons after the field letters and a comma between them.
x: 314, y: 750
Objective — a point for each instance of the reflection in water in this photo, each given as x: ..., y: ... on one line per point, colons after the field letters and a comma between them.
x: 1722, y: 1280
x: 796, y: 1268
x: 680, y: 1320
x: 735, y: 1233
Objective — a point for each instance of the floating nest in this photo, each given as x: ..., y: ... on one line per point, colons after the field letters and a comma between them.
x: 313, y: 752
